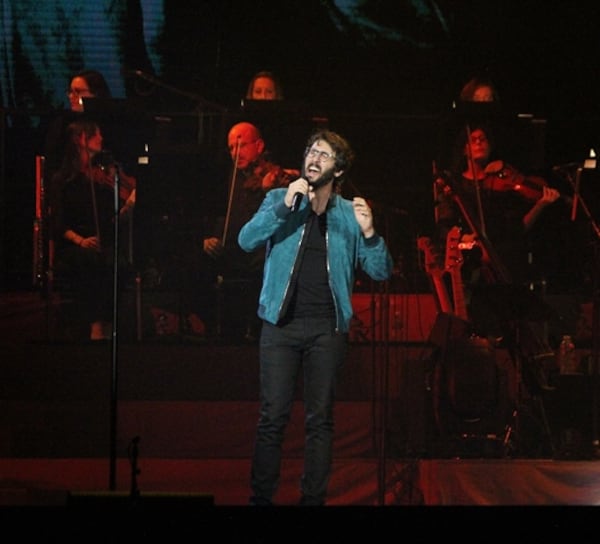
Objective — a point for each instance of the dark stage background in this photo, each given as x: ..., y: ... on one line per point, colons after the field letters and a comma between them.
x: 384, y: 73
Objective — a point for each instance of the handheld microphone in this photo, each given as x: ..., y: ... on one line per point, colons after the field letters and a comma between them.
x: 297, y: 197
x: 296, y: 202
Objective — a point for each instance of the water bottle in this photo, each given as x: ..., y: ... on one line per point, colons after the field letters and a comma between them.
x: 567, y: 361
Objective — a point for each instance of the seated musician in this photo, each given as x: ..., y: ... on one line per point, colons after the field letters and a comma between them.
x: 253, y: 174
x: 83, y: 219
x: 496, y: 208
x: 264, y: 85
x: 83, y: 84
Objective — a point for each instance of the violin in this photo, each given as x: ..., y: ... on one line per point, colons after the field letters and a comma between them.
x: 266, y: 176
x: 500, y: 176
x: 106, y: 176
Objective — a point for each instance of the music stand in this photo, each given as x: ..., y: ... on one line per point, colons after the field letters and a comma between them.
x: 126, y: 127
x: 520, y: 137
x: 284, y: 124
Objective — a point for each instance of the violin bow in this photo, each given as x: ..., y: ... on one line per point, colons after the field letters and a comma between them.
x: 231, y: 190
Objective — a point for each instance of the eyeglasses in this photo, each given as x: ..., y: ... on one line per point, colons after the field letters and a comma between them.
x: 322, y: 156
x: 78, y: 92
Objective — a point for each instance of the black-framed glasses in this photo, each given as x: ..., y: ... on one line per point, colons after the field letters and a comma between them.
x: 321, y: 156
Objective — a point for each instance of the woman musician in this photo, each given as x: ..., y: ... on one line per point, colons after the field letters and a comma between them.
x: 83, y: 221
x: 503, y: 204
x: 496, y: 208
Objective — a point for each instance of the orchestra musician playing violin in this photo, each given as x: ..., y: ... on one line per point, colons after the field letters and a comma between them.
x: 83, y: 219
x: 253, y: 174
x: 503, y: 203
x: 496, y: 208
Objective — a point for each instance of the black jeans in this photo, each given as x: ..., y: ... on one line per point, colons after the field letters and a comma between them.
x: 313, y: 344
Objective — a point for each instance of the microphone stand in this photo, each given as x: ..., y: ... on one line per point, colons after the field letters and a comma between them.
x: 383, y: 393
x: 114, y: 337
x: 595, y: 355
x: 579, y: 201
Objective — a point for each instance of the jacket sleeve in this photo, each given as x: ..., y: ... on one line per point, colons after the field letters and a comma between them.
x: 375, y: 258
x: 271, y: 214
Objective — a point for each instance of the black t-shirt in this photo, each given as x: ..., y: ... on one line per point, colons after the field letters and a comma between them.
x: 312, y: 294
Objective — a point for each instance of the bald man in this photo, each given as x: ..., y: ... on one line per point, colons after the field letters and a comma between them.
x: 253, y: 175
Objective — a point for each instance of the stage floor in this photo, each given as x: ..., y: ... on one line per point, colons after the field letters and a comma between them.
x: 192, y: 409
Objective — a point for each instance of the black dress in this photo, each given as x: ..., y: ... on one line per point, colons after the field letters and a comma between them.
x: 84, y: 206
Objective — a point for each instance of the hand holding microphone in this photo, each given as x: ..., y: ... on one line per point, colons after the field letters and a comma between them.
x: 296, y: 202
x: 296, y: 191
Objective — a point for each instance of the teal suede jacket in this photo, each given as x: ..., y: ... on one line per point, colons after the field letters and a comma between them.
x: 282, y: 232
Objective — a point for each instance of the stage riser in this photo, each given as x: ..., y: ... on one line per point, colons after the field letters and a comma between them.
x: 205, y: 429
x: 84, y: 372
x: 181, y: 400
x: 202, y: 401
